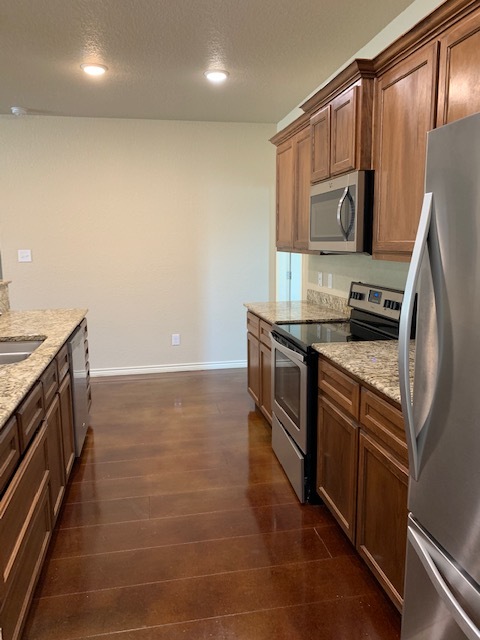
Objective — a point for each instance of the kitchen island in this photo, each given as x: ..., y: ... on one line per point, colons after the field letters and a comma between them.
x: 53, y: 326
x: 37, y: 450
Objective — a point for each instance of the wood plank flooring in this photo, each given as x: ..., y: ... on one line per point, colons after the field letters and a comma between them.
x: 179, y: 523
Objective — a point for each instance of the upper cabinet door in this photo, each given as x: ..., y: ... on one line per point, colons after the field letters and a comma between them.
x: 320, y: 140
x: 302, y: 190
x: 459, y: 78
x: 343, y: 133
x: 285, y: 194
x: 404, y: 113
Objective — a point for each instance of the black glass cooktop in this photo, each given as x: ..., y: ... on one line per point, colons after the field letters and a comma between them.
x: 306, y: 334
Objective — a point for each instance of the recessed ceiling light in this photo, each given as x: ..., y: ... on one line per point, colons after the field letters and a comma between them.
x: 216, y: 76
x: 94, y: 69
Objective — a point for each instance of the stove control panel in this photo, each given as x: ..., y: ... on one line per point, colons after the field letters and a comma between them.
x: 379, y: 300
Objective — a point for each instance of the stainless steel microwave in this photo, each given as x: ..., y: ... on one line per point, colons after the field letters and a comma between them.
x: 341, y: 214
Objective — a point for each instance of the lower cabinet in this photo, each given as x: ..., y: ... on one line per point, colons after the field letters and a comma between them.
x: 66, y: 414
x: 253, y: 367
x: 362, y: 472
x: 259, y: 363
x: 382, y: 515
x: 9, y: 451
x: 55, y: 457
x: 266, y: 381
x: 31, y: 559
x: 337, y: 445
x: 25, y: 530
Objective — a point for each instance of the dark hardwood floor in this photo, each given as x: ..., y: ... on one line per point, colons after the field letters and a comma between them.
x: 180, y: 524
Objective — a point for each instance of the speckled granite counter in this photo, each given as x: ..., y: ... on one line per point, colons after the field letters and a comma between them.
x: 54, y: 326
x: 283, y: 312
x: 373, y: 362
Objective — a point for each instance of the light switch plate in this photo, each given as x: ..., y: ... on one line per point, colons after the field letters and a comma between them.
x: 330, y: 281
x: 24, y: 255
x: 320, y: 279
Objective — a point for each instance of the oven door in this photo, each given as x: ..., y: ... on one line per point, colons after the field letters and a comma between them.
x: 289, y: 390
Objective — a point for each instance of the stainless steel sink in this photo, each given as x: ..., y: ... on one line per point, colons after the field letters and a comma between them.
x: 12, y: 351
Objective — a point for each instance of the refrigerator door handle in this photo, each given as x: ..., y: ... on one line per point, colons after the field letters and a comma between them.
x: 466, y: 624
x: 406, y: 318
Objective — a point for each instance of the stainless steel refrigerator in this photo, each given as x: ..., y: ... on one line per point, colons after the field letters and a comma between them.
x: 442, y: 584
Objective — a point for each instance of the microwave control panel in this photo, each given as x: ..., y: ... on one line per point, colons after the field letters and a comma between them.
x: 379, y: 300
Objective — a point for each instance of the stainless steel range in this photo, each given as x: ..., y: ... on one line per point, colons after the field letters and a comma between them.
x: 375, y: 316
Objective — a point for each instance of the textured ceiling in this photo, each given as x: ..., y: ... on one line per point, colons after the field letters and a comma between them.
x: 277, y: 52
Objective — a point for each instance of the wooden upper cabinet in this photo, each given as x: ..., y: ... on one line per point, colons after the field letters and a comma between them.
x: 285, y: 194
x: 320, y: 144
x: 343, y: 132
x: 404, y: 113
x: 301, y: 222
x: 293, y: 190
x: 341, y: 127
x: 459, y: 75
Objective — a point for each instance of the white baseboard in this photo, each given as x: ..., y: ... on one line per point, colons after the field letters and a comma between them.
x: 168, y: 368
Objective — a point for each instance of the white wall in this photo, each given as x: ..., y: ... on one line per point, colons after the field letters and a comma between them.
x: 156, y: 227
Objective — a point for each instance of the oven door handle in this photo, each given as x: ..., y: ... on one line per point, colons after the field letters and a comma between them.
x: 288, y: 352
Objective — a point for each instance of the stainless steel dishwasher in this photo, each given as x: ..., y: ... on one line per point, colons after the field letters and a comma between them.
x: 78, y: 373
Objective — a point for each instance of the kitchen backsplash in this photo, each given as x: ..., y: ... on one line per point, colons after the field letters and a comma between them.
x: 328, y: 300
x: 356, y: 267
x: 4, y: 299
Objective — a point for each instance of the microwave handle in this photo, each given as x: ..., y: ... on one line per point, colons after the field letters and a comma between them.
x: 344, y: 196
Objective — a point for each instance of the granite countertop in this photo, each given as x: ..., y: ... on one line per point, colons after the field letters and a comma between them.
x: 54, y: 326
x: 373, y: 362
x: 301, y: 311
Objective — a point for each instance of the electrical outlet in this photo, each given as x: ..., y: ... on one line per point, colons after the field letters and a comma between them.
x: 330, y: 281
x: 320, y: 279
x: 175, y: 339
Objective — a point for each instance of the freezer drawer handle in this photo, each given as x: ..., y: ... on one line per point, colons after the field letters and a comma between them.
x: 466, y: 624
x: 406, y: 316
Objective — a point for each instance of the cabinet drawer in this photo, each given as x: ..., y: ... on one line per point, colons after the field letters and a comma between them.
x: 265, y: 330
x: 29, y: 415
x: 18, y: 504
x: 253, y: 324
x: 63, y: 363
x: 31, y: 555
x: 50, y: 383
x: 9, y: 452
x: 339, y: 387
x: 385, y: 422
